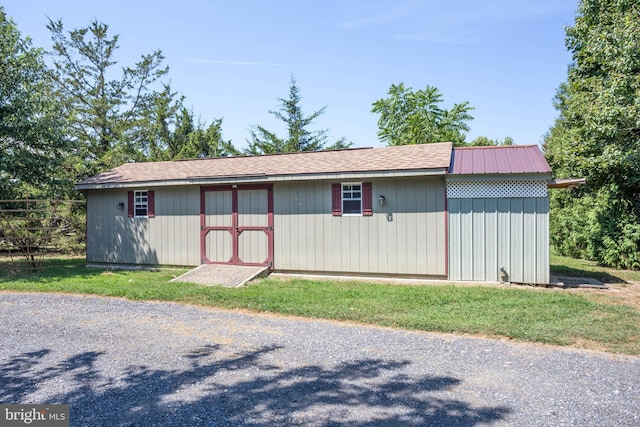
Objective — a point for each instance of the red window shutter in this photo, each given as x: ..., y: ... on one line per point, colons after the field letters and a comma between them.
x: 130, y: 204
x: 367, y: 205
x: 151, y: 204
x: 336, y: 199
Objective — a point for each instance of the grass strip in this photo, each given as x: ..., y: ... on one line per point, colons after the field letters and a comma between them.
x: 524, y: 314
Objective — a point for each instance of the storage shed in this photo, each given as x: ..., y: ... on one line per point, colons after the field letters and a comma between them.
x: 499, y: 214
x: 411, y: 211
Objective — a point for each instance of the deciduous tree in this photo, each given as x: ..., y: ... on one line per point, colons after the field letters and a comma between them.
x: 597, y: 136
x: 32, y: 143
x: 416, y: 117
x: 484, y: 141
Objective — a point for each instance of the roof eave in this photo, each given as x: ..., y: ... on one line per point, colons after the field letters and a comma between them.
x: 247, y: 179
x: 501, y: 176
x: 566, y: 182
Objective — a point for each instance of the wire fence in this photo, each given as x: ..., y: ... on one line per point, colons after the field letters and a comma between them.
x: 31, y: 229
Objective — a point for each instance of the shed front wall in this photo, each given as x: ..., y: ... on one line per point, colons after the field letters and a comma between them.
x: 486, y: 234
x: 406, y: 236
x: 171, y: 238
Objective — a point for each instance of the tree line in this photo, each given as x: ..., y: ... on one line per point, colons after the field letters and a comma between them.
x: 79, y: 117
x: 85, y: 113
x: 597, y: 136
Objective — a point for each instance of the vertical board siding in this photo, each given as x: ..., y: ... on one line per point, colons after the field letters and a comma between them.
x: 542, y: 248
x: 405, y: 236
x: 171, y: 238
x: 466, y: 239
x: 486, y: 234
x: 455, y: 263
x: 516, y: 241
x: 490, y: 243
x: 478, y: 239
x: 309, y: 238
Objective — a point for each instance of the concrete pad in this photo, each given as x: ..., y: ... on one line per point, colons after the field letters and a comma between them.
x: 576, y: 282
x: 230, y: 276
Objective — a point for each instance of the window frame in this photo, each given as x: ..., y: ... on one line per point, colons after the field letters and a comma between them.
x: 140, y: 204
x: 342, y: 198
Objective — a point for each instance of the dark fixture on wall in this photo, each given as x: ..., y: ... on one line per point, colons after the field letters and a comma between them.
x: 121, y: 206
x: 381, y: 200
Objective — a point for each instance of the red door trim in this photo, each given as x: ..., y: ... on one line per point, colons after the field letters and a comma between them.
x: 235, y: 229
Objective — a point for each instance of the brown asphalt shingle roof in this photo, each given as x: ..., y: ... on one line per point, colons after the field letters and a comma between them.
x: 404, y: 158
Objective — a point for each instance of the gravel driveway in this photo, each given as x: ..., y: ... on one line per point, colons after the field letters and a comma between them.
x: 122, y: 363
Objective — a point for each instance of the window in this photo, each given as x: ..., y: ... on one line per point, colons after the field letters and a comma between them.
x: 352, y: 199
x: 141, y: 203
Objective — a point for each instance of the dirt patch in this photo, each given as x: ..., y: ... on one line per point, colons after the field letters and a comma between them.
x: 621, y: 293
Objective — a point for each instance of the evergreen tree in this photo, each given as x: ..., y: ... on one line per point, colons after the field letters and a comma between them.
x: 158, y: 129
x: 300, y: 138
x: 108, y: 118
x: 206, y: 143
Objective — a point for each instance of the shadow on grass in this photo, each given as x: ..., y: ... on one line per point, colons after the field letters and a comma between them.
x: 216, y: 388
x: 603, y: 276
x: 59, y: 268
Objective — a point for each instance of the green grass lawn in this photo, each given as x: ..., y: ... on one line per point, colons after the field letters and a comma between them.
x: 552, y: 316
x: 583, y: 268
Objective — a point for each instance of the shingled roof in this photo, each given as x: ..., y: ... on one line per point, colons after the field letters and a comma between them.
x: 428, y: 157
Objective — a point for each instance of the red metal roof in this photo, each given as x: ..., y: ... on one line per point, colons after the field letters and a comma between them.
x: 501, y: 159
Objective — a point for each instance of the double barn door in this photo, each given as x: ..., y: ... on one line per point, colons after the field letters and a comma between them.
x: 236, y: 225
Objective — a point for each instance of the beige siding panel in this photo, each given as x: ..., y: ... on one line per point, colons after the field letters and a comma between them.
x: 115, y: 238
x: 174, y: 232
x: 398, y: 239
x: 171, y: 238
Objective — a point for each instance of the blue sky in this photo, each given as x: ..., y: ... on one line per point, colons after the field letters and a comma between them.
x: 233, y: 59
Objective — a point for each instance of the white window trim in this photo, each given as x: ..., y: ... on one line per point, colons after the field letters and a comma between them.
x: 342, y: 184
x: 136, y: 194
